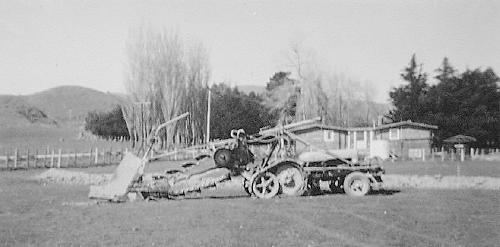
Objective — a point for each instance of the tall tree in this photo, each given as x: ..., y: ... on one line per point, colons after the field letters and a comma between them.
x: 409, y: 99
x: 164, y: 79
x: 232, y: 109
x: 446, y: 71
x: 468, y: 104
x: 281, y: 97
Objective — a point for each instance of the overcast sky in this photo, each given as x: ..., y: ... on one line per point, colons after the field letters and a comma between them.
x: 44, y: 44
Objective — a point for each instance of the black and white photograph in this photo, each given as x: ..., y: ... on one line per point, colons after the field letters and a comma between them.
x: 249, y: 123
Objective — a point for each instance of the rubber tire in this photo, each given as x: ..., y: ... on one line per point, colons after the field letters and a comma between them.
x: 356, y: 184
x: 247, y: 188
x: 222, y: 157
x: 256, y: 181
x: 299, y: 183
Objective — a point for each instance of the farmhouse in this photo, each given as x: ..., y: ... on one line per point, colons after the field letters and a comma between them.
x: 407, y: 139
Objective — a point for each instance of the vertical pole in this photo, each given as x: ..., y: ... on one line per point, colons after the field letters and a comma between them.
x: 36, y: 154
x: 472, y: 153
x: 208, y: 116
x: 7, y: 160
x: 462, y: 154
x: 442, y: 153
x: 110, y: 155
x: 75, y: 158
x: 452, y: 155
x: 28, y: 158
x: 433, y: 151
x: 423, y: 154
x: 96, y: 156
x: 46, y: 160
x: 52, y: 159
x: 59, y: 159
x: 90, y: 157
x: 16, y: 157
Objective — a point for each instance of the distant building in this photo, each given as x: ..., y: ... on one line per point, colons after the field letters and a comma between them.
x: 407, y: 139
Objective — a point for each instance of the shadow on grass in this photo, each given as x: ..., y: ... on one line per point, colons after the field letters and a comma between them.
x: 380, y: 192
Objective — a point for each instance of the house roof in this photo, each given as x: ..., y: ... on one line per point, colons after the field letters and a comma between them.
x: 303, y: 127
x: 403, y: 123
x: 317, y: 125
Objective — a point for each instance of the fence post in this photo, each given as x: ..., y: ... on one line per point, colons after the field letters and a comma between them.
x: 36, y: 154
x: 442, y: 153
x: 52, y: 159
x: 76, y: 160
x: 90, y: 157
x: 16, y: 157
x: 7, y: 159
x: 462, y: 154
x: 472, y: 153
x: 45, y: 161
x: 28, y: 158
x: 59, y: 159
x: 96, y: 155
x: 423, y: 154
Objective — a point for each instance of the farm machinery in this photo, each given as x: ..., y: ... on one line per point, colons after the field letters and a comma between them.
x: 275, y: 170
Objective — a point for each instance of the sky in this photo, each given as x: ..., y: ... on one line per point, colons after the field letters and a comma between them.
x: 49, y: 43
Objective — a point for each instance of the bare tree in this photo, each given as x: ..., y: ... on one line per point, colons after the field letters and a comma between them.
x: 165, y: 79
x: 311, y: 99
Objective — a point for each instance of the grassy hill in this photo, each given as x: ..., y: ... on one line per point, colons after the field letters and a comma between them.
x: 53, y: 117
x: 16, y: 111
x: 71, y: 102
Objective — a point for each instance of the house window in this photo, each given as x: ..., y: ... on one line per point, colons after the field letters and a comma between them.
x: 329, y: 136
x: 393, y: 134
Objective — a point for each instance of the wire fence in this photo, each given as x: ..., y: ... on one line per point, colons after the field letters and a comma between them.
x: 59, y: 158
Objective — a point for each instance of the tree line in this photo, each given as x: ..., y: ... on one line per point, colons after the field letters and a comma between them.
x: 465, y: 102
x: 167, y: 76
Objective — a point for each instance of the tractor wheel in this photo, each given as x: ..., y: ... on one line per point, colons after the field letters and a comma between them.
x: 265, y: 185
x: 222, y: 157
x: 291, y: 180
x: 248, y: 187
x: 356, y: 184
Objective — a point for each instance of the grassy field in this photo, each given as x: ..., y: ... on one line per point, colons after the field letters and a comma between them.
x: 447, y: 168
x: 32, y: 214
x: 40, y: 137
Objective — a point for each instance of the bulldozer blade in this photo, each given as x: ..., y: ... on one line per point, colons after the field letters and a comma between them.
x: 124, y: 175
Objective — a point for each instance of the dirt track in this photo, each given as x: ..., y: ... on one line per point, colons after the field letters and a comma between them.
x: 61, y: 215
